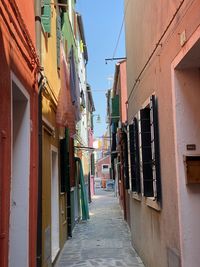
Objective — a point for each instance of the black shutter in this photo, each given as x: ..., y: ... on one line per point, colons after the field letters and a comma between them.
x: 156, y: 146
x: 92, y: 165
x: 134, y: 156
x: 64, y: 165
x: 125, y: 156
x: 131, y: 149
x: 146, y: 152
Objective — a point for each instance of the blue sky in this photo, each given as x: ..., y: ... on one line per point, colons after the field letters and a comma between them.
x: 102, y: 22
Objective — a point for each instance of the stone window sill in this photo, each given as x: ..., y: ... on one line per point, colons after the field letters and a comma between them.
x: 136, y: 196
x: 152, y: 203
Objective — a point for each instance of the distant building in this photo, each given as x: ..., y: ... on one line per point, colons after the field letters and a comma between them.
x: 103, y: 168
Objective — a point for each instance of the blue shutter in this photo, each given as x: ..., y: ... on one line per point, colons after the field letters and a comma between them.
x: 58, y: 39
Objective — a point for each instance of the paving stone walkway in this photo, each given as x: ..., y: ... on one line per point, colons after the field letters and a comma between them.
x: 102, y: 241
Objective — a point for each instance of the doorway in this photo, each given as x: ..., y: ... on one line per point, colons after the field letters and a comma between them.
x: 20, y: 158
x: 54, y: 204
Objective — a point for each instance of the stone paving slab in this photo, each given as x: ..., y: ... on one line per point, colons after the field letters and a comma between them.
x: 102, y: 241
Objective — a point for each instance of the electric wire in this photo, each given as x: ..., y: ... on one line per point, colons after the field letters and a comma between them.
x: 154, y: 50
x: 120, y: 32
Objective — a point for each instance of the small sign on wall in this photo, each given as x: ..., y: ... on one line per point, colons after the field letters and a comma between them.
x: 191, y: 147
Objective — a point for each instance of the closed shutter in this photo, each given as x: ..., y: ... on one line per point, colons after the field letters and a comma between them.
x: 92, y: 165
x: 115, y: 109
x: 134, y: 156
x: 64, y: 165
x: 58, y: 38
x: 155, y: 146
x: 125, y: 156
x: 146, y: 152
x: 46, y: 16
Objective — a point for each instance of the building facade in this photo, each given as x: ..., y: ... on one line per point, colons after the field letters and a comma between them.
x: 19, y: 67
x: 162, y: 42
x: 118, y: 125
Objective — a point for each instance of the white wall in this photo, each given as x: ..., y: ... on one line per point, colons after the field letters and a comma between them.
x: 19, y: 207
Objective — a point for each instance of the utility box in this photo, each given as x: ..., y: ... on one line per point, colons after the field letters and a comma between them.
x: 192, y: 169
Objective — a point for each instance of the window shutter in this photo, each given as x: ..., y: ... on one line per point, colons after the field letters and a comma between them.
x: 92, y: 165
x: 46, y: 16
x: 125, y: 156
x: 58, y: 39
x: 155, y: 145
x: 64, y: 165
x: 134, y: 156
x: 146, y: 152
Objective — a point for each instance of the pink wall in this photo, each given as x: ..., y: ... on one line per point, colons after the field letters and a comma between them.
x: 186, y: 95
x: 123, y: 92
x: 169, y: 230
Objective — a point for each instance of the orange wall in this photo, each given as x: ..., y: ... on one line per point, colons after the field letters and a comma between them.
x: 17, y: 55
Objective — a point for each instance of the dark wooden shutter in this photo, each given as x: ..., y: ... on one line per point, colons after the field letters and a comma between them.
x: 92, y: 165
x: 155, y: 145
x: 64, y: 165
x: 131, y: 149
x: 146, y: 152
x: 58, y: 37
x: 134, y: 156
x: 125, y: 156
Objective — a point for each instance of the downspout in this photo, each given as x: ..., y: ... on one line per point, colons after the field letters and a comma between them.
x: 40, y: 87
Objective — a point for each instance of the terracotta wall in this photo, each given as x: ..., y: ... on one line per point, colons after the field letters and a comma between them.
x: 17, y: 56
x: 99, y: 164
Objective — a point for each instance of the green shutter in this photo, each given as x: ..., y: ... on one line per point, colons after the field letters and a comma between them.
x: 115, y: 109
x: 46, y: 16
x: 92, y: 165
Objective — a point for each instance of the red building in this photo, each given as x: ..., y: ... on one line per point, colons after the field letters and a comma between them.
x: 18, y: 134
x: 103, y: 169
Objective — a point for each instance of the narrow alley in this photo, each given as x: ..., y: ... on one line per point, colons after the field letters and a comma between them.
x: 104, y: 240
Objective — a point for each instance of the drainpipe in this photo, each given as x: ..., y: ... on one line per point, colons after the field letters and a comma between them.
x: 39, y: 213
x: 38, y: 27
x: 40, y: 87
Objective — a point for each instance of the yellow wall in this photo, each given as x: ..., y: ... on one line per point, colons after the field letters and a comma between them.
x: 49, y: 105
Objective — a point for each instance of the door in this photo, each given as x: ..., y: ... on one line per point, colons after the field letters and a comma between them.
x: 19, y: 197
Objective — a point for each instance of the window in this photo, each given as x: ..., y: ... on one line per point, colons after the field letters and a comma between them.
x: 144, y: 152
x: 149, y: 147
x: 105, y: 168
x: 46, y: 15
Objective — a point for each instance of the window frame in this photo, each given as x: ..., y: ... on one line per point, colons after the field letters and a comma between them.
x: 156, y: 194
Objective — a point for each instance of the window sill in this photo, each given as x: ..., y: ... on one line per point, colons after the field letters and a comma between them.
x: 136, y: 196
x: 152, y: 203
